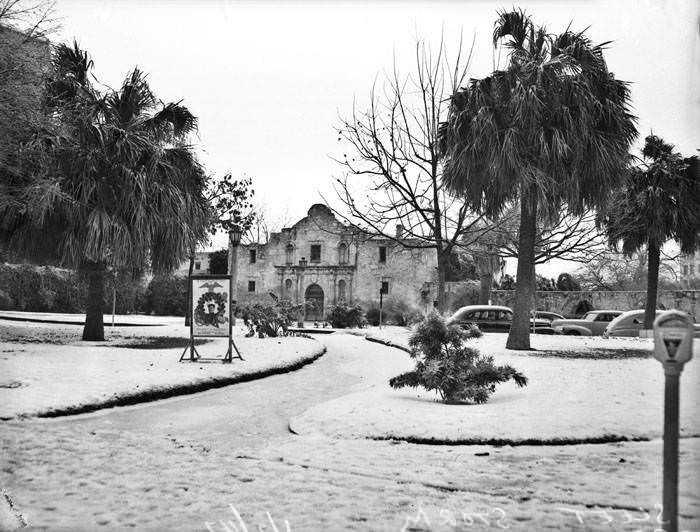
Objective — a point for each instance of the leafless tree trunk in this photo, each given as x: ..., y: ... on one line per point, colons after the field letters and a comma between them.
x: 393, y: 168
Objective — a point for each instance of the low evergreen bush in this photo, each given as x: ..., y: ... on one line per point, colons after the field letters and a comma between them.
x: 398, y: 312
x: 269, y: 320
x: 459, y: 374
x: 343, y: 316
x: 372, y: 316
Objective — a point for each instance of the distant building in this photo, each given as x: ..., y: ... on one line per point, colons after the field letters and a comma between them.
x: 201, y: 264
x: 689, y: 268
x: 343, y: 264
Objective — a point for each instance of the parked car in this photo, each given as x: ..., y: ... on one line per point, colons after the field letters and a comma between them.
x: 631, y: 322
x: 549, y: 316
x: 493, y: 318
x: 593, y: 323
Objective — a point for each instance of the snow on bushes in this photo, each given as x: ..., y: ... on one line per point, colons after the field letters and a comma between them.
x: 457, y: 372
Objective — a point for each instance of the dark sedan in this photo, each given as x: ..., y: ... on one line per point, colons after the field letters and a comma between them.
x: 493, y: 318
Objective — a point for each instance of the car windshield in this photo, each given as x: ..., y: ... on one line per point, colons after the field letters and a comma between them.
x: 590, y: 316
x: 460, y: 315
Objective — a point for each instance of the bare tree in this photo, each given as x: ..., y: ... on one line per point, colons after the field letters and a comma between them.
x: 265, y: 222
x: 611, y: 271
x: 31, y: 19
x: 566, y: 237
x: 230, y: 206
x: 393, y: 169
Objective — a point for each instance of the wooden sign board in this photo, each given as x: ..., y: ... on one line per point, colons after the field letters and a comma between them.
x: 211, y: 313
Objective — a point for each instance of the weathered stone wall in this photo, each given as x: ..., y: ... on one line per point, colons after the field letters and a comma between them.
x: 457, y: 294
x: 405, y: 270
x: 566, y: 302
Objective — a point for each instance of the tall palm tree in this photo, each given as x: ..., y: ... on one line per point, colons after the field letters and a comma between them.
x: 660, y: 201
x: 552, y: 130
x: 117, y: 185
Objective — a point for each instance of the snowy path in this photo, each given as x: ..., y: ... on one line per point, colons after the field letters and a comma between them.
x: 243, y: 415
x: 180, y: 464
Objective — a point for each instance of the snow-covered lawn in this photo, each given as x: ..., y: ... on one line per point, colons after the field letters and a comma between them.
x: 580, y: 389
x: 46, y: 368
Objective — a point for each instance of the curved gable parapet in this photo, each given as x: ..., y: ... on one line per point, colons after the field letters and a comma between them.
x: 321, y: 217
x: 319, y: 210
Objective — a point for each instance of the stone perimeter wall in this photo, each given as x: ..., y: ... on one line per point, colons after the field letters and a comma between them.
x: 565, y: 302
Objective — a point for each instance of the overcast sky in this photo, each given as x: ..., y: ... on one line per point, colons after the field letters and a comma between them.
x: 269, y: 79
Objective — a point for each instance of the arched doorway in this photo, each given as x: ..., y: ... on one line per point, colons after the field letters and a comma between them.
x: 314, y: 300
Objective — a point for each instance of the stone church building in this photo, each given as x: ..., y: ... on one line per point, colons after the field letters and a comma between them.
x: 342, y: 264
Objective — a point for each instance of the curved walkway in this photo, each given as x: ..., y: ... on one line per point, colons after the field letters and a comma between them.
x: 245, y: 414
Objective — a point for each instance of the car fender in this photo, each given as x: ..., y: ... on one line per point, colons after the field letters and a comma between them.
x: 583, y: 331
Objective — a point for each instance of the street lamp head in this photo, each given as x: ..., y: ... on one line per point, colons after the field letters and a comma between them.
x: 235, y: 235
x: 302, y: 262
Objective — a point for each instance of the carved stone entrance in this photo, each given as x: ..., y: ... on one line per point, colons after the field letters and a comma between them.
x: 314, y: 300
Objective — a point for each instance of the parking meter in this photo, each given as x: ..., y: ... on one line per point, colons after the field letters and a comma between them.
x: 673, y: 339
x: 673, y: 347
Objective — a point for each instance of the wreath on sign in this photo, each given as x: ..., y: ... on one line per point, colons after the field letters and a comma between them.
x: 211, y: 306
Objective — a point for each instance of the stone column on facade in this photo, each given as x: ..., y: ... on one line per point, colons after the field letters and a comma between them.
x: 335, y: 287
x: 300, y: 292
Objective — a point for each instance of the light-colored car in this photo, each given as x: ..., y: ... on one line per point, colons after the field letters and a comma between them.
x: 493, y: 318
x: 593, y: 323
x: 630, y: 323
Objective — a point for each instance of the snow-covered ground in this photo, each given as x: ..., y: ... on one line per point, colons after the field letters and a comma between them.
x: 62, y: 477
x: 46, y: 367
x: 88, y: 473
x: 571, y: 396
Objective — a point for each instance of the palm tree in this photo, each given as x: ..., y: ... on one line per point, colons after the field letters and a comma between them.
x: 660, y: 201
x: 551, y: 130
x: 116, y: 185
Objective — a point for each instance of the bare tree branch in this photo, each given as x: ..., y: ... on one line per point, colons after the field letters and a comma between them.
x: 392, y: 168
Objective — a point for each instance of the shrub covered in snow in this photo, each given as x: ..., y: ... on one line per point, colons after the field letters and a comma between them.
x: 342, y: 316
x: 271, y: 320
x: 457, y: 372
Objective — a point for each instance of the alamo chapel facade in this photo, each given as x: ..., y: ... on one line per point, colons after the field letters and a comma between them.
x: 343, y: 265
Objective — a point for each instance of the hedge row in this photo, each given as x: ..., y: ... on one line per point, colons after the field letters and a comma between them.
x: 26, y: 287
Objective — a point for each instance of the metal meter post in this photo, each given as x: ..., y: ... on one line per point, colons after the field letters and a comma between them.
x: 673, y: 347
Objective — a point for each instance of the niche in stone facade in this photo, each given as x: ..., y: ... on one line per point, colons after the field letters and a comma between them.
x: 343, y: 253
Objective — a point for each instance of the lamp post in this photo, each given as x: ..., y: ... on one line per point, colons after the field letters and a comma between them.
x: 234, y: 239
x: 302, y: 298
x: 381, y: 302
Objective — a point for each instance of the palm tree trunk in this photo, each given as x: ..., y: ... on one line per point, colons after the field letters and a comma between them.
x: 652, y: 285
x: 94, y: 316
x: 188, y: 315
x: 519, y: 336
